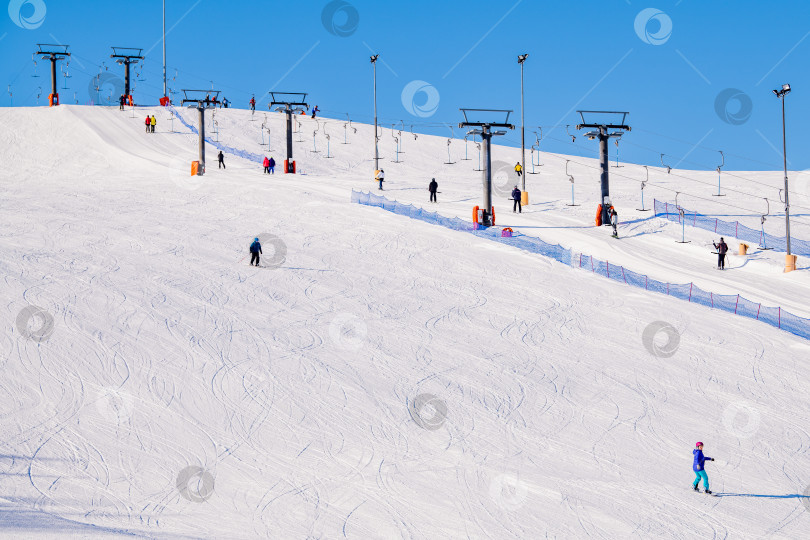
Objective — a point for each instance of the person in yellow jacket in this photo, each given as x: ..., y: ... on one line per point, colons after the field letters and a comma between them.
x: 518, y: 169
x: 153, y: 123
x: 380, y: 177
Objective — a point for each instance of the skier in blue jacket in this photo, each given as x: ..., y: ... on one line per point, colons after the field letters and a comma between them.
x: 255, y: 251
x: 697, y: 466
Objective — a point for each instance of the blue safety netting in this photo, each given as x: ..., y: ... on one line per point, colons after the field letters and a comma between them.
x: 733, y: 303
x: 250, y: 156
x: 733, y: 229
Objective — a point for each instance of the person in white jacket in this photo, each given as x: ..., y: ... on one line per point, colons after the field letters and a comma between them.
x: 380, y: 177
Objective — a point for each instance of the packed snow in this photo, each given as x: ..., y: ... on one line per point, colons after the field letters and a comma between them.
x: 379, y: 377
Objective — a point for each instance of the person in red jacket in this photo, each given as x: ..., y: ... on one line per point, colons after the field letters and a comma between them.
x: 722, y: 249
x: 252, y: 104
x: 148, y: 123
x: 266, y: 164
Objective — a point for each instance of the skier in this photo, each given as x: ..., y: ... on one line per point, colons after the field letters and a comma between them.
x: 614, y: 221
x: 252, y: 103
x: 315, y: 111
x: 255, y: 251
x: 697, y: 466
x: 722, y: 249
x: 272, y: 165
x: 148, y: 123
x: 225, y: 103
x: 432, y: 188
x: 516, y: 197
x: 121, y: 102
x: 153, y: 123
x: 266, y: 164
x: 221, y: 158
x: 380, y: 177
x: 518, y: 169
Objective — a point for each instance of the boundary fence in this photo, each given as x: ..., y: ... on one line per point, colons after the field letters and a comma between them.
x: 733, y: 229
x: 732, y: 303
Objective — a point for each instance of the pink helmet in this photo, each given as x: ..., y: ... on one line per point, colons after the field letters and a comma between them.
x: 698, y: 444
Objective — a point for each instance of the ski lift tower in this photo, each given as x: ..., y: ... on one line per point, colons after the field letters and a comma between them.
x: 127, y: 56
x: 601, y: 124
x: 483, y: 120
x: 290, y: 103
x: 53, y: 53
x: 201, y: 100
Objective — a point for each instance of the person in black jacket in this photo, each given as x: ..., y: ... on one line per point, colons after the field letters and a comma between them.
x: 516, y: 198
x: 722, y: 249
x: 221, y: 159
x: 433, y: 187
x: 271, y: 166
x: 255, y: 251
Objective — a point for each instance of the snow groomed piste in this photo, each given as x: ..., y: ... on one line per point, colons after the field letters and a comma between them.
x: 736, y: 304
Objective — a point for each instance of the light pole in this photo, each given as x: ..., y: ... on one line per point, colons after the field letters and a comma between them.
x: 522, y: 58
x: 790, y: 261
x: 164, y: 49
x: 376, y: 149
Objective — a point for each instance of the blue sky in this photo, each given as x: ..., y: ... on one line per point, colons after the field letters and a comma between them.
x: 695, y: 76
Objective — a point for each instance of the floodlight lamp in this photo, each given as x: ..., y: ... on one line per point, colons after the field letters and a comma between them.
x: 786, y: 88
x: 374, y: 58
x: 522, y: 58
x: 499, y: 132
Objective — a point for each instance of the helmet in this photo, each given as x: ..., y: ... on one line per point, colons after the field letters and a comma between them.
x: 255, y: 239
x: 698, y: 444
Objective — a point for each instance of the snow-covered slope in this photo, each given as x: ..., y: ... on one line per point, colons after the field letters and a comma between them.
x: 184, y: 393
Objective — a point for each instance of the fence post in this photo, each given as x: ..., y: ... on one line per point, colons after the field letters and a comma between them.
x: 607, y: 265
x: 645, y: 283
x: 623, y: 276
x: 580, y: 260
x: 711, y: 295
x: 667, y: 288
x: 715, y: 224
x: 694, y: 221
x: 690, y: 291
x: 592, y: 269
x: 760, y: 307
x: 737, y: 230
x: 737, y: 304
x: 780, y: 317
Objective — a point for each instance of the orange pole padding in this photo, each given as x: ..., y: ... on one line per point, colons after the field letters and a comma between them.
x: 475, y: 214
x: 599, y: 215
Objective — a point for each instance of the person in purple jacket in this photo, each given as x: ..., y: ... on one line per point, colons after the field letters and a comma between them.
x: 697, y: 466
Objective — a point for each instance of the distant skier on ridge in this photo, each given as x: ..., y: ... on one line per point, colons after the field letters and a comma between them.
x: 255, y: 251
x: 153, y: 123
x: 380, y: 177
x: 518, y: 169
x: 614, y: 221
x: 221, y: 160
x: 697, y: 466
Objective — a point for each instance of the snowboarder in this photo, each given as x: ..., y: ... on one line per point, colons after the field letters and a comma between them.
x: 252, y: 103
x: 722, y: 249
x: 380, y: 177
x: 148, y: 123
x: 255, y: 251
x: 614, y: 221
x: 225, y: 103
x: 433, y: 187
x: 518, y: 169
x: 516, y: 197
x: 221, y: 159
x: 153, y: 123
x: 697, y: 466
x: 315, y: 111
x: 272, y: 165
x: 266, y: 165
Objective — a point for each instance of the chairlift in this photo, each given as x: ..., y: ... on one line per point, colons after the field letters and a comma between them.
x: 762, y: 220
x: 723, y: 158
x: 573, y: 137
x: 412, y: 133
x: 664, y: 164
x: 643, y: 185
x: 570, y: 179
x: 681, y: 213
x: 33, y: 57
x: 449, y: 161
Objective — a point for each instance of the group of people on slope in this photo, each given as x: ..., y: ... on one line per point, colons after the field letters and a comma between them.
x: 150, y: 123
x: 269, y: 165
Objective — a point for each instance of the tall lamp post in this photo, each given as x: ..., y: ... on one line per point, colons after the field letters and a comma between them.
x: 376, y: 149
x: 790, y: 260
x: 525, y: 196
